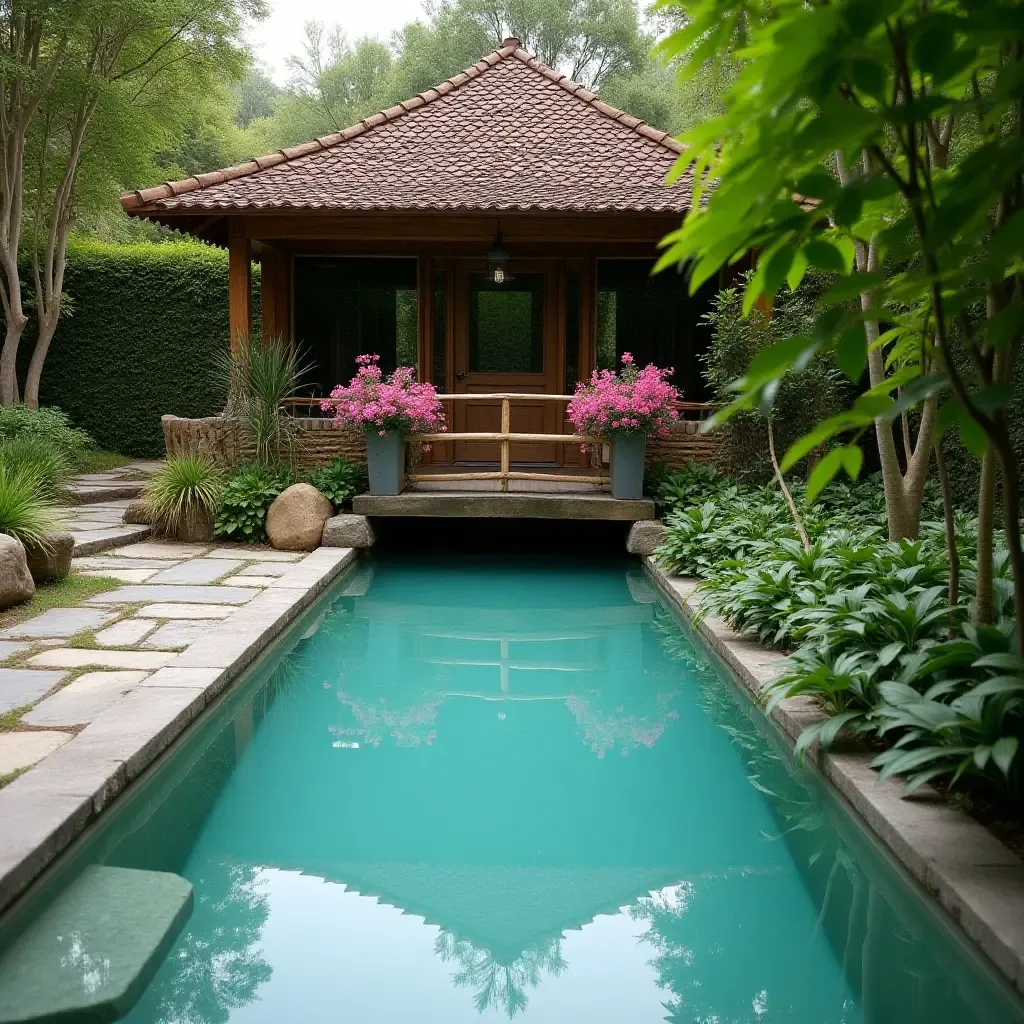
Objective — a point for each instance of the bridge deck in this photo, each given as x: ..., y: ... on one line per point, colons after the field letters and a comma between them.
x: 496, y: 505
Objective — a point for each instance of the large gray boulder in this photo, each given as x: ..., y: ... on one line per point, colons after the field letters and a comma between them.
x: 645, y: 536
x: 348, y: 531
x: 295, y: 522
x: 16, y: 584
x: 51, y: 561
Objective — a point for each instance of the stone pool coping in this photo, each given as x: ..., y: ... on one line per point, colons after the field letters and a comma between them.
x: 977, y: 879
x: 44, y: 809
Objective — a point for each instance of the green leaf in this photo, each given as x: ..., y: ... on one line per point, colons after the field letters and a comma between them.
x: 825, y: 256
x: 973, y: 436
x: 915, y: 391
x: 1003, y: 753
x: 777, y: 269
x: 846, y: 457
x: 851, y: 352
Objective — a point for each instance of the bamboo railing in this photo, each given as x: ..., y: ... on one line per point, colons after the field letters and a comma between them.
x: 505, y: 437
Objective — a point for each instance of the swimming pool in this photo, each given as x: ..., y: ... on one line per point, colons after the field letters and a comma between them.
x: 482, y: 789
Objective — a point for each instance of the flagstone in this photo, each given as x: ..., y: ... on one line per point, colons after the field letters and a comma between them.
x: 187, y: 611
x: 60, y: 622
x: 180, y: 633
x: 199, y: 570
x: 146, y: 592
x: 265, y: 569
x: 124, y: 575
x: 161, y: 549
x: 84, y: 698
x: 126, y: 632
x: 78, y: 657
x: 251, y: 581
x: 20, y: 750
x: 8, y: 648
x: 107, y: 561
x: 21, y: 686
x: 255, y: 554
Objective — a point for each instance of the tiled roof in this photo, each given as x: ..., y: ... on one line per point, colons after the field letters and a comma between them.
x: 508, y: 133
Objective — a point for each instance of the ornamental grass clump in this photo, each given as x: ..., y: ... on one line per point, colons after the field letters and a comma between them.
x: 396, y: 403
x: 184, y: 496
x: 632, y: 401
x: 26, y: 512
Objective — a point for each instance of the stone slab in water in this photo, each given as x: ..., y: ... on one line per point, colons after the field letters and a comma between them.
x: 21, y: 686
x: 92, y: 952
x: 199, y: 570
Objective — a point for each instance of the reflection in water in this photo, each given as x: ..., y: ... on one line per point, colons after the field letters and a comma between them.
x: 497, y: 985
x: 485, y: 792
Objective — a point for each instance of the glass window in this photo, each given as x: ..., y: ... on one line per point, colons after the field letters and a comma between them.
x: 348, y: 306
x: 506, y: 324
x: 439, y: 329
x: 656, y: 319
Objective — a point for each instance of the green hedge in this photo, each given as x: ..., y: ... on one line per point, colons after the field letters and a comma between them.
x: 146, y: 326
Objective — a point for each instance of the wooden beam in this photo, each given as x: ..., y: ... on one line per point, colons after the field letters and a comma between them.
x: 239, y: 284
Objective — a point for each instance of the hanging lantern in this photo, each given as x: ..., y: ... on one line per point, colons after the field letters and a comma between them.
x: 498, y: 258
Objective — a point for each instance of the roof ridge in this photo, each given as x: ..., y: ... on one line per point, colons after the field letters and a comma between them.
x: 135, y: 200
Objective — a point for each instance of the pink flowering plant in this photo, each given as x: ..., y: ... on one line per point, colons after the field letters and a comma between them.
x: 397, y: 403
x: 632, y: 401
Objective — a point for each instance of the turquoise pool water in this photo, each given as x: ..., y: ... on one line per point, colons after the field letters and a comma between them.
x: 483, y: 790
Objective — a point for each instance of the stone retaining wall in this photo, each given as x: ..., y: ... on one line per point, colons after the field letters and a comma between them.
x: 317, y: 440
x: 684, y: 444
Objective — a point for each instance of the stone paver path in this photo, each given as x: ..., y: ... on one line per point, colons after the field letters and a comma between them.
x: 66, y: 666
x: 95, y: 504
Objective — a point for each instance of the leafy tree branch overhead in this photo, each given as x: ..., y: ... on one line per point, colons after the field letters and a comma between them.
x: 834, y: 152
x: 86, y: 82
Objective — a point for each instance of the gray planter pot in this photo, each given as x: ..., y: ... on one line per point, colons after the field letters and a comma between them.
x: 627, y: 465
x: 385, y: 461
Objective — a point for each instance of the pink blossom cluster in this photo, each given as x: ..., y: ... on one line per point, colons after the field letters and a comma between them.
x: 633, y: 401
x: 397, y: 403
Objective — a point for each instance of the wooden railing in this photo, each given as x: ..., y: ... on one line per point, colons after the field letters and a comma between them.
x: 505, y: 437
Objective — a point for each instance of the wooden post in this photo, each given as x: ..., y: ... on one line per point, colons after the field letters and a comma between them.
x: 239, y: 283
x: 506, y: 420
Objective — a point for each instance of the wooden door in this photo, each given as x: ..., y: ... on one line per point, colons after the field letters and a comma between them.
x: 506, y: 339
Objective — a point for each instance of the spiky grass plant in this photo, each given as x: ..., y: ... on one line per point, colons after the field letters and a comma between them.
x: 189, y: 485
x: 39, y: 457
x: 260, y: 375
x: 26, y: 510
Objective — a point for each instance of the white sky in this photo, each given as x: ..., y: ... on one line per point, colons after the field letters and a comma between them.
x: 281, y: 34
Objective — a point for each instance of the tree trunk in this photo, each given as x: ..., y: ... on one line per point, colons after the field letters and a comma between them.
x: 47, y: 329
x: 9, y: 361
x: 952, y: 553
x: 982, y: 612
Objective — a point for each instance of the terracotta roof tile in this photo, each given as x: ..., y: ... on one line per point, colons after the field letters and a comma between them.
x: 507, y: 133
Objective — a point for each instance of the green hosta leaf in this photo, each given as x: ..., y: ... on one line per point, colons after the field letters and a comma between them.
x: 999, y: 685
x: 1003, y: 753
x: 825, y: 731
x: 1003, y: 660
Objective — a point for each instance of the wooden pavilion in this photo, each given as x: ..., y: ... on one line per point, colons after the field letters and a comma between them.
x: 497, y: 231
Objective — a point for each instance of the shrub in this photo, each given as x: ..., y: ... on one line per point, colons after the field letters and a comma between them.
x: 805, y: 397
x: 51, y: 428
x: 150, y: 323
x: 873, y: 639
x: 246, y: 498
x: 25, y: 512
x: 339, y: 482
x: 39, y: 458
x: 260, y: 375
x: 187, y: 487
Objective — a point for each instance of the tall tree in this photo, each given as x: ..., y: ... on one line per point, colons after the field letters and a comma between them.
x: 115, y: 73
x: 934, y: 250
